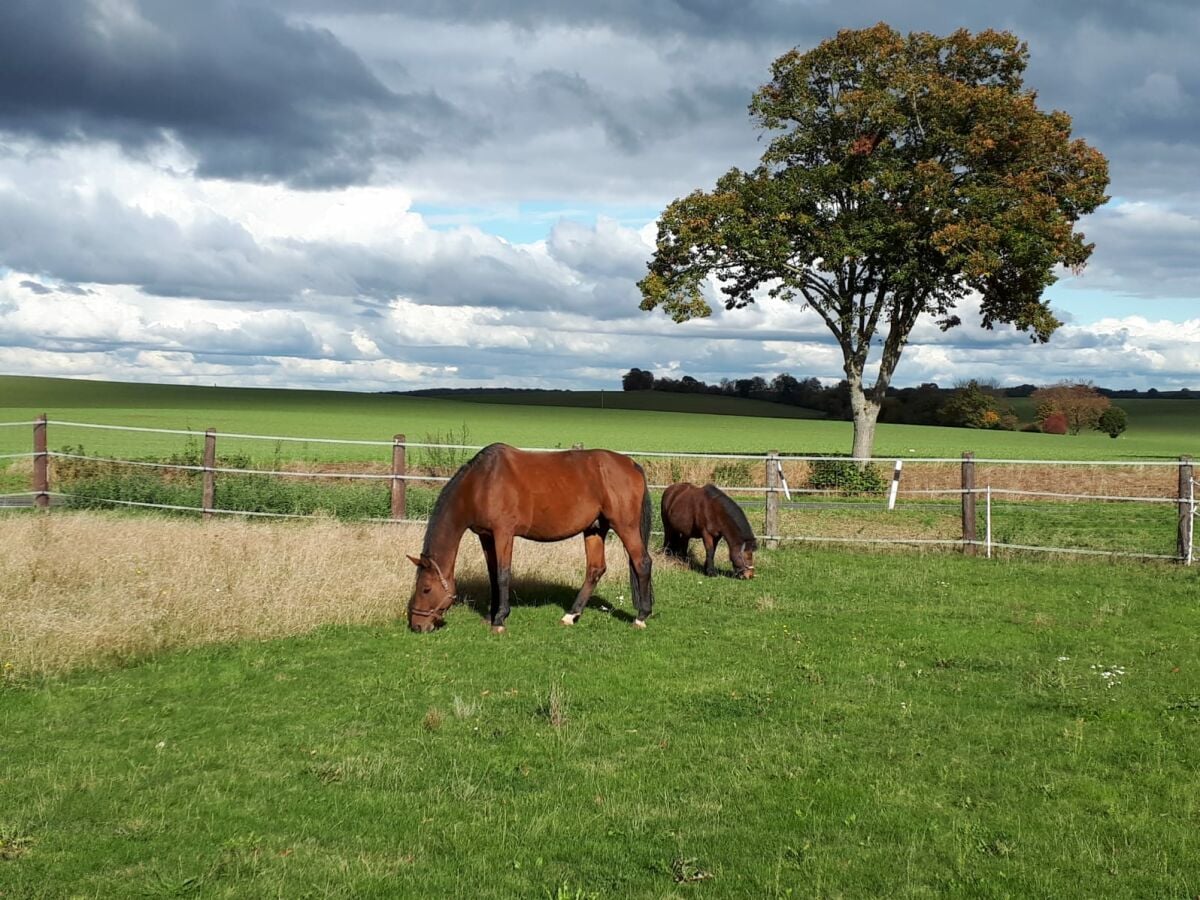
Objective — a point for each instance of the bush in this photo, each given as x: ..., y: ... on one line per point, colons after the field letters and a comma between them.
x: 846, y: 475
x: 1054, y: 423
x: 1112, y: 421
x: 731, y: 473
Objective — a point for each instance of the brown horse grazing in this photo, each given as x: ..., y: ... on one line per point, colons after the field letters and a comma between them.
x: 502, y: 493
x: 707, y: 513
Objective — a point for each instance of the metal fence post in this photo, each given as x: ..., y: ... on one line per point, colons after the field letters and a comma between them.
x: 41, y: 464
x: 208, y: 499
x: 1187, y: 506
x: 968, y: 504
x: 399, y: 485
x: 771, y: 520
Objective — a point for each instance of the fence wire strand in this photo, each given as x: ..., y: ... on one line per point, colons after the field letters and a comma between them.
x: 865, y: 501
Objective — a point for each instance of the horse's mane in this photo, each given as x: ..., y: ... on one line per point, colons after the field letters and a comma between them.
x: 736, y: 515
x: 451, y: 488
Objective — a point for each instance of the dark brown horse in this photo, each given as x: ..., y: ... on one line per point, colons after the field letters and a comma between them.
x: 709, y: 514
x: 504, y: 493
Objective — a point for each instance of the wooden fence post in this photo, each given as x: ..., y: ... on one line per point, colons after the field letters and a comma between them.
x: 399, y: 470
x: 968, y: 504
x: 1187, y: 509
x: 41, y: 464
x: 771, y: 520
x: 208, y: 500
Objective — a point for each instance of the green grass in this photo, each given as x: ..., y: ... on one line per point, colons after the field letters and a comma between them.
x: 1170, y: 426
x: 662, y: 401
x: 846, y: 725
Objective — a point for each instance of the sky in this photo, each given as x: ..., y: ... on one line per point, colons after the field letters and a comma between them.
x: 369, y: 195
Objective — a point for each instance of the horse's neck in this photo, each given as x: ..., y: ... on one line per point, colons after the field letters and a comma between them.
x: 443, y: 539
x: 729, y: 529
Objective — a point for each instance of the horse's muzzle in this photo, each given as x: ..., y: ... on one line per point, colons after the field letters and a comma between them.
x: 425, y: 624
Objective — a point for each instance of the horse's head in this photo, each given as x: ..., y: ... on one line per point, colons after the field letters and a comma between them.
x: 742, y: 557
x: 432, y: 595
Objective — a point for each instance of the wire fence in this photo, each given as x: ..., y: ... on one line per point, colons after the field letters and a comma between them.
x: 1123, y: 509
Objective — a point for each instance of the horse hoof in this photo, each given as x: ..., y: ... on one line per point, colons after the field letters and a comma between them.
x: 639, y: 623
x: 497, y: 629
x: 569, y: 619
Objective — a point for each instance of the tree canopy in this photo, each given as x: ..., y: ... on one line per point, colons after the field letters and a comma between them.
x: 904, y: 173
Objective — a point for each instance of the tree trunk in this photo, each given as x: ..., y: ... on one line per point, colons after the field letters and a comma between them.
x: 866, y: 413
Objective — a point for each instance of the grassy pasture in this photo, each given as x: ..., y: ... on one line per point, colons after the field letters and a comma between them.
x: 660, y: 401
x: 1171, y: 427
x: 846, y: 725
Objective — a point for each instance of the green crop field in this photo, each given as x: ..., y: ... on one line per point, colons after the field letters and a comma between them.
x: 846, y: 725
x: 1161, y: 429
x: 660, y: 401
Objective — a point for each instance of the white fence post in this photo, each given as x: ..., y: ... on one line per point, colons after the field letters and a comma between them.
x: 988, y: 518
x: 895, y: 484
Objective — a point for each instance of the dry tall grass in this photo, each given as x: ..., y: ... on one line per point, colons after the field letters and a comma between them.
x: 84, y: 589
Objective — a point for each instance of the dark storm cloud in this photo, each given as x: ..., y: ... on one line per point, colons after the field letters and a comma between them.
x: 251, y: 95
x: 1127, y: 71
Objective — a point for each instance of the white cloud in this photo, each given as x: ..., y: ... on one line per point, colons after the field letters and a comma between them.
x: 123, y: 262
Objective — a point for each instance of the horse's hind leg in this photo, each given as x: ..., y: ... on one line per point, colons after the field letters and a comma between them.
x: 710, y: 552
x: 593, y: 546
x: 674, y: 542
x: 500, y: 605
x: 639, y: 571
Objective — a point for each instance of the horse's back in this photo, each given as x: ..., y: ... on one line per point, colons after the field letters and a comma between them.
x: 682, y: 507
x: 550, y: 495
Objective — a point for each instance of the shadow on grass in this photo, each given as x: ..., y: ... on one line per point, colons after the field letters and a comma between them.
x: 696, y: 564
x: 531, y: 591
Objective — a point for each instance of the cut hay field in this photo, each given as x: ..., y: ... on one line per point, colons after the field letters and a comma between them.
x: 1157, y: 429
x: 845, y: 725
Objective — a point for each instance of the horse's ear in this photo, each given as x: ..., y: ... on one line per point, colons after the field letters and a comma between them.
x: 416, y: 561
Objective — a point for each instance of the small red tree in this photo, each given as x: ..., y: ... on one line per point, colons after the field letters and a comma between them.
x: 1055, y: 423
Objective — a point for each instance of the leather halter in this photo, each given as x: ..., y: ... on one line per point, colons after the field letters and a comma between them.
x: 450, y: 596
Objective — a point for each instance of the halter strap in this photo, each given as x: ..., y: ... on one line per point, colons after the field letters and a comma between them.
x: 450, y: 596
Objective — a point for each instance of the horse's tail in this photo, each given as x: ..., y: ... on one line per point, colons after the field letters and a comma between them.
x: 642, y: 603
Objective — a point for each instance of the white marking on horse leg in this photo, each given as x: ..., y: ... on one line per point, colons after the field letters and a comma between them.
x: 569, y: 619
x: 497, y: 629
x: 639, y: 623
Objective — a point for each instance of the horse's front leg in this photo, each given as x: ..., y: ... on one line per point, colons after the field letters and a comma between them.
x: 710, y: 552
x: 488, y: 543
x: 500, y: 604
x: 593, y: 546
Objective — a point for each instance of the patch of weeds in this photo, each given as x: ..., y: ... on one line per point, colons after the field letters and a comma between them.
x: 162, y: 886
x: 795, y: 856
x: 554, y: 708
x: 432, y: 720
x: 327, y: 772
x: 566, y: 892
x: 14, y: 843
x: 1187, y: 703
x: 688, y: 870
x: 464, y: 709
x: 134, y: 829
x: 439, y: 458
x: 1000, y: 845
x: 241, y: 857
x: 731, y: 474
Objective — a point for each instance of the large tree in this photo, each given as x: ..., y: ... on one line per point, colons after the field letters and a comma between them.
x: 903, y: 174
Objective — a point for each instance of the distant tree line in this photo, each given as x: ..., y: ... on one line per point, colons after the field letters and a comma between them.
x: 1064, y: 408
